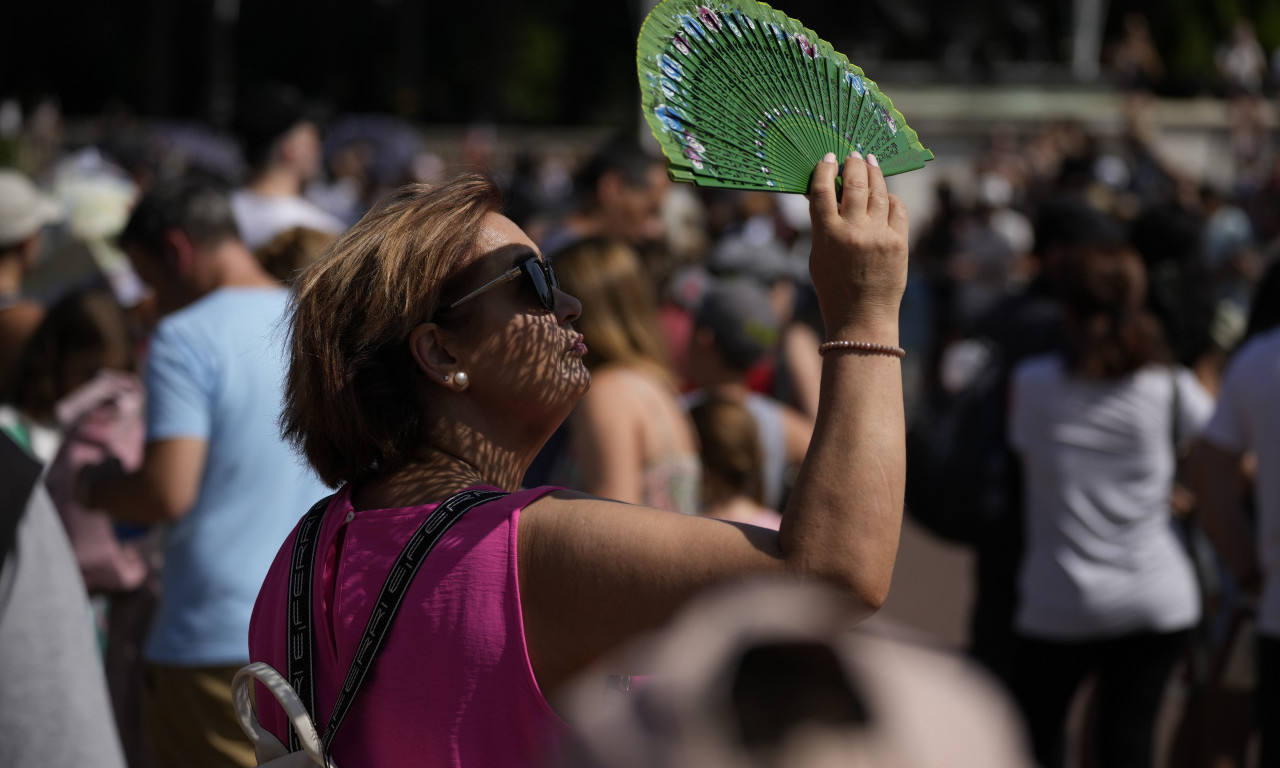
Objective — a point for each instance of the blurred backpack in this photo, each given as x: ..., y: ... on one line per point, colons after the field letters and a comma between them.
x: 959, y: 469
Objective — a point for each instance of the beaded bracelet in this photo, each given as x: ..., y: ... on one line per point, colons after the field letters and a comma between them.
x: 862, y: 347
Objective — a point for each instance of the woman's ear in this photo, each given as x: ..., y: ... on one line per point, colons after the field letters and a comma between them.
x: 429, y: 346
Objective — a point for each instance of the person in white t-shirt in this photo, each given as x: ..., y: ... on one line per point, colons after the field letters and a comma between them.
x: 283, y: 149
x: 1105, y: 586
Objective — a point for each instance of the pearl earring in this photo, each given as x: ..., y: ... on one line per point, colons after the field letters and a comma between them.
x: 461, y: 378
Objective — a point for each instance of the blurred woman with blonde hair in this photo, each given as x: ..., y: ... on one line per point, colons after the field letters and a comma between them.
x: 629, y: 437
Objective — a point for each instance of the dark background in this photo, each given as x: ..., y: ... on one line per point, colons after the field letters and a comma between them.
x: 550, y: 62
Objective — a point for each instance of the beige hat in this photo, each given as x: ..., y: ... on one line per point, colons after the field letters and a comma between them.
x: 23, y: 208
x: 767, y: 672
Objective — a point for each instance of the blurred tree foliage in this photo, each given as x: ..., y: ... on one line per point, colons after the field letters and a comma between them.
x: 1188, y: 34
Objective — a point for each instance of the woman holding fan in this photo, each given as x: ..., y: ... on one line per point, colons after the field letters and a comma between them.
x: 432, y: 353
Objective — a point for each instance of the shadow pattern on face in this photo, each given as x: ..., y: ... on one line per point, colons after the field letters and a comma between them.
x: 526, y: 373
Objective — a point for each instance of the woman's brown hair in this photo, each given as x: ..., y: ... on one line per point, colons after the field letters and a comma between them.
x: 89, y: 323
x: 286, y: 254
x: 732, y: 464
x: 353, y: 395
x: 1110, y: 332
x: 619, y: 312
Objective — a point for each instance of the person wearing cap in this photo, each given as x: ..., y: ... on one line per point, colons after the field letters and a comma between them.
x: 735, y: 327
x: 793, y: 374
x: 282, y: 147
x: 764, y: 260
x: 24, y: 213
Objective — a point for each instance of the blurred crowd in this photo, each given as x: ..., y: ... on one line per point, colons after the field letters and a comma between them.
x: 703, y: 333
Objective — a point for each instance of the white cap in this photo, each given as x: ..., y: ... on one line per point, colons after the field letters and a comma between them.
x: 23, y: 208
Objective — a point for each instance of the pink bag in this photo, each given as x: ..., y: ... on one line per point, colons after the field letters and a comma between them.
x: 101, y: 420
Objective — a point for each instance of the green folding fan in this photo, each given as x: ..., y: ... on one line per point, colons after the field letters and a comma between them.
x: 740, y: 95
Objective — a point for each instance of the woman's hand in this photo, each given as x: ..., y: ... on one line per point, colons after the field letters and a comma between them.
x: 859, y: 259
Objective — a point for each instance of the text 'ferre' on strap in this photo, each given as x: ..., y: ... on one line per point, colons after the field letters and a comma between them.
x: 301, y: 633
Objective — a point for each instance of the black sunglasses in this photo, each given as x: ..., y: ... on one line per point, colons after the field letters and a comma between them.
x: 540, y: 274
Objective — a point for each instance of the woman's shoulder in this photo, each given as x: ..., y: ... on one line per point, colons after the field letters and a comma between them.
x: 631, y: 388
x: 640, y: 398
x: 634, y: 375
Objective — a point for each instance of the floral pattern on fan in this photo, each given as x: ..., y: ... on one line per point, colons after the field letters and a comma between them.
x: 740, y: 95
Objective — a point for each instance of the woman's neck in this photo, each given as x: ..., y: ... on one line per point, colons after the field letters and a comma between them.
x: 435, y: 474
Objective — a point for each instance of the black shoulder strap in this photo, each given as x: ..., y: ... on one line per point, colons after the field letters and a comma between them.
x: 298, y: 652
x: 301, y: 624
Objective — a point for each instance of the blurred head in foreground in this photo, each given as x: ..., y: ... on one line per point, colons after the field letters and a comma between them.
x: 767, y: 673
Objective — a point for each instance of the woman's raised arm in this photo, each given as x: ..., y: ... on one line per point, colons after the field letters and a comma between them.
x: 594, y: 573
x: 845, y: 513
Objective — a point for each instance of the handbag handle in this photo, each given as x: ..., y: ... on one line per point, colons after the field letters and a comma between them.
x: 266, y: 746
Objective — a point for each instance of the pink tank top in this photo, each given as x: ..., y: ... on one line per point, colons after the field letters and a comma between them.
x: 453, y: 685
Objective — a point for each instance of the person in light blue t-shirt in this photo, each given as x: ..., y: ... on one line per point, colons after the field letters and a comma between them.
x: 215, y: 470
